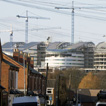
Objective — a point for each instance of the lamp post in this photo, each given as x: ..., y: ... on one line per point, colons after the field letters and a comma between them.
x: 58, y: 89
x: 77, y: 97
x: 24, y: 74
x: 46, y: 82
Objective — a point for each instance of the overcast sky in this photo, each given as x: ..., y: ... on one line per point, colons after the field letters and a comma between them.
x: 90, y: 24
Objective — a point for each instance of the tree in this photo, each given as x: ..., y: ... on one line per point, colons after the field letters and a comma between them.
x: 71, y: 76
x: 90, y: 81
x: 102, y: 76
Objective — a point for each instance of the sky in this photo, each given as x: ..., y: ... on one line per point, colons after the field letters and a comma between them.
x: 89, y: 23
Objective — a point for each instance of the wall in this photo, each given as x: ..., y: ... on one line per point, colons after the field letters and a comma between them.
x: 5, y: 76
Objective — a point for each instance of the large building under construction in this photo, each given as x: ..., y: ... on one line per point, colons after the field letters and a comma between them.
x: 57, y: 54
x: 100, y: 57
x: 64, y: 55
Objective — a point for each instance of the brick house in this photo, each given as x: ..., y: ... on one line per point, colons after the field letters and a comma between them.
x: 13, y: 71
x: 9, y: 75
x: 3, y: 95
x: 34, y: 80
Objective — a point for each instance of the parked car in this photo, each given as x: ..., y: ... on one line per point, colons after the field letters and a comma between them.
x: 101, y: 104
x: 26, y: 101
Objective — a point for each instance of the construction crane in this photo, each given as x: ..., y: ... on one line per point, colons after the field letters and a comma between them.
x: 72, y: 20
x: 72, y: 16
x: 33, y: 29
x: 11, y: 36
x: 26, y: 22
x: 52, y: 10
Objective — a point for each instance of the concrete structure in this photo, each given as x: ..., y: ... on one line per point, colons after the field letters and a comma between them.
x: 57, y: 54
x: 64, y: 55
x: 100, y: 57
x: 64, y: 59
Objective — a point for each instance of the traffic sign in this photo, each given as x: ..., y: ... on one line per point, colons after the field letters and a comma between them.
x: 50, y: 98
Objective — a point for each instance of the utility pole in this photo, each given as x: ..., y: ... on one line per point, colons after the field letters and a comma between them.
x: 58, y: 90
x: 72, y: 20
x: 77, y: 98
x: 46, y: 83
x: 27, y: 77
x: 26, y: 23
x: 24, y: 74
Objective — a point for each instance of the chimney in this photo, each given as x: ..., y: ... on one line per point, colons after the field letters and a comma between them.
x: 32, y: 62
x: 16, y: 54
x: 21, y: 57
x: 28, y: 59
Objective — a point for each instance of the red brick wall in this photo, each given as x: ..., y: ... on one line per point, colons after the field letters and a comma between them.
x: 21, y: 78
x: 5, y: 76
x: 16, y: 56
x: 21, y: 58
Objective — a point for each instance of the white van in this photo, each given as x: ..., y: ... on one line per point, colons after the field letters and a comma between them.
x: 101, y: 104
x: 26, y: 101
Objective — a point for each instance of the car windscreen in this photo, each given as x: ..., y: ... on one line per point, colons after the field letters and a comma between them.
x: 25, y: 104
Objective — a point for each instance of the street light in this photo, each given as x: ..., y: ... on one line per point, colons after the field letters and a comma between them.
x: 24, y: 74
x: 77, y: 96
x: 58, y: 85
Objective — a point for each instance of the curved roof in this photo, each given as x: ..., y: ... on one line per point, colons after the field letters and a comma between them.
x: 28, y: 45
x: 68, y: 47
x: 19, y: 45
x: 76, y: 45
x: 8, y: 44
x: 81, y: 45
x: 58, y: 45
x: 101, y: 45
x: 53, y: 45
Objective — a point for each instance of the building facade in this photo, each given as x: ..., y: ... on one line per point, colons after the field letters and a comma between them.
x: 100, y: 57
x: 65, y: 55
x: 57, y: 54
x: 64, y: 59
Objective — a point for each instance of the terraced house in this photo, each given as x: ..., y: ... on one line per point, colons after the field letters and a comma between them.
x: 19, y: 77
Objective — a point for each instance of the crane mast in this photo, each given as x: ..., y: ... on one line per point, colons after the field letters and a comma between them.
x: 26, y: 23
x: 11, y: 37
x: 26, y: 30
x: 72, y: 20
x: 72, y: 23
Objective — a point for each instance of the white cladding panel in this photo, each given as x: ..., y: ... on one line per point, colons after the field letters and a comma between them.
x: 76, y: 60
